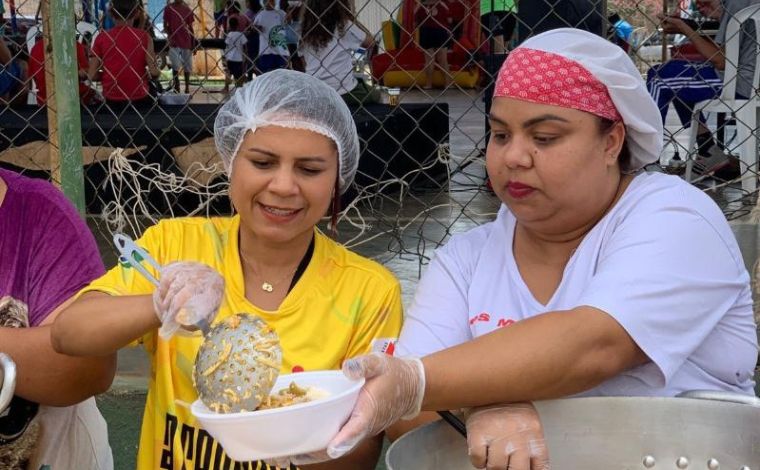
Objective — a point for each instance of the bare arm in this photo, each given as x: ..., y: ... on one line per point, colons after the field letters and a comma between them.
x: 94, y: 67
x: 548, y: 356
x: 98, y: 324
x: 714, y: 53
x: 150, y: 57
x: 705, y: 46
x: 369, y: 42
x: 49, y: 378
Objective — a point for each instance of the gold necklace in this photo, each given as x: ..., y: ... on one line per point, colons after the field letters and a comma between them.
x: 267, y: 286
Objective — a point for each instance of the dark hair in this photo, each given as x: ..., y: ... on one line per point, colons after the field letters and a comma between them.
x: 254, y: 5
x: 335, y: 207
x: 624, y: 157
x: 233, y: 24
x: 124, y: 9
x: 321, y: 19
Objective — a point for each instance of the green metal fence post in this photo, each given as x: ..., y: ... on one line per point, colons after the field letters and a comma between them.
x: 62, y: 34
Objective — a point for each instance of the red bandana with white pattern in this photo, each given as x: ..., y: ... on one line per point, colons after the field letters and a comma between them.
x: 546, y: 78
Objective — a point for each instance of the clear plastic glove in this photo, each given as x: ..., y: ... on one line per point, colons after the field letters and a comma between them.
x: 506, y: 436
x: 187, y: 293
x: 393, y: 390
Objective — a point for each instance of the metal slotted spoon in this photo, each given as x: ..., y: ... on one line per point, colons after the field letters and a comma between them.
x: 239, y: 360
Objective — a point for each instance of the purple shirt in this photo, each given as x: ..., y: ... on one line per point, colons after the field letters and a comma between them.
x: 47, y: 253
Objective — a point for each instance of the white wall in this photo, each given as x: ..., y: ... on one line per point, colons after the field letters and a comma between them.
x: 372, y: 13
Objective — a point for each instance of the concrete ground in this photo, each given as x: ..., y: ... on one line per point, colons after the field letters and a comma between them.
x: 427, y: 220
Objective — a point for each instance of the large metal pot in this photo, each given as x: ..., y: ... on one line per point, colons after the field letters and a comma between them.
x: 7, y: 381
x: 705, y: 430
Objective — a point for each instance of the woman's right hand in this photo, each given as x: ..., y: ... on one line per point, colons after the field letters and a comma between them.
x: 393, y: 390
x: 506, y: 436
x: 187, y: 293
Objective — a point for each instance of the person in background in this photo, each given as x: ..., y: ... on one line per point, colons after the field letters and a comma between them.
x: 127, y: 58
x: 87, y: 94
x: 234, y: 52
x: 178, y: 23
x: 47, y: 254
x: 243, y: 25
x: 220, y: 17
x: 293, y: 33
x: 252, y: 46
x: 290, y: 148
x: 329, y: 36
x: 433, y: 20
x: 273, y: 45
x: 233, y: 11
x: 685, y: 83
x: 498, y: 20
x: 14, y: 76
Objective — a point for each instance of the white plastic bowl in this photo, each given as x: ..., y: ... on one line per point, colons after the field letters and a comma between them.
x: 291, y: 430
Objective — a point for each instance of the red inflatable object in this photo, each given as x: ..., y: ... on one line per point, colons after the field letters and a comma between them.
x: 398, y: 67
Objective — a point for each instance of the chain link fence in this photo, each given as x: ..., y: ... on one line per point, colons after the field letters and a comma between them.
x: 417, y: 76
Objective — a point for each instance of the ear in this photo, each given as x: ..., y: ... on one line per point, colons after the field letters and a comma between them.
x: 614, y: 141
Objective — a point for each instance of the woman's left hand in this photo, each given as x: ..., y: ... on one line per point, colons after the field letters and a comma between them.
x: 506, y: 436
x: 393, y: 390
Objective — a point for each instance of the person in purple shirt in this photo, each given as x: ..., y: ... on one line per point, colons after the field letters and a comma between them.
x: 47, y: 254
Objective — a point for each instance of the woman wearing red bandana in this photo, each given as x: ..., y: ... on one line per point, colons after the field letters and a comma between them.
x: 597, y: 278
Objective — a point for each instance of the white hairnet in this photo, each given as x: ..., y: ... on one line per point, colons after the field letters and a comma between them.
x: 612, y: 66
x: 286, y: 98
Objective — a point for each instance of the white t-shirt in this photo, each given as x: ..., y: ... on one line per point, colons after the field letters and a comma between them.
x: 72, y: 437
x: 333, y: 64
x: 234, y: 49
x: 663, y: 262
x: 272, y: 38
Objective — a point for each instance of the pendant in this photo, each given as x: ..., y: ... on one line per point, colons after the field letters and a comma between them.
x: 267, y: 287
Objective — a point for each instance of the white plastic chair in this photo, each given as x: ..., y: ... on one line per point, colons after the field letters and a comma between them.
x: 743, y: 110
x: 31, y: 36
x: 82, y: 28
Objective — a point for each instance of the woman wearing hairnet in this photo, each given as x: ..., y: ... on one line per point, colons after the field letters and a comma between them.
x: 596, y: 278
x: 290, y: 146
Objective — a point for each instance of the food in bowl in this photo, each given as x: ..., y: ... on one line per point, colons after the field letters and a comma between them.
x: 292, y: 395
x: 289, y: 430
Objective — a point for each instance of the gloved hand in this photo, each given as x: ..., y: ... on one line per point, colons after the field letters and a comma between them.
x: 187, y: 293
x: 506, y: 436
x: 393, y: 390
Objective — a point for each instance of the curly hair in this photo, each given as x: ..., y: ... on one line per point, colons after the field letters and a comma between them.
x: 321, y: 19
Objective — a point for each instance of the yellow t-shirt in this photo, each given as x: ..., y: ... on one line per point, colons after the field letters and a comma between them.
x: 342, y: 306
